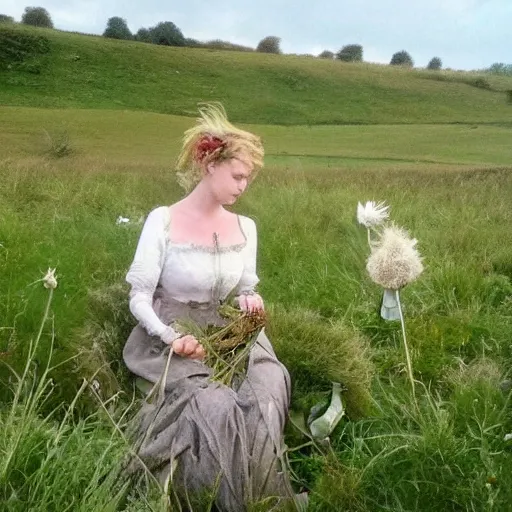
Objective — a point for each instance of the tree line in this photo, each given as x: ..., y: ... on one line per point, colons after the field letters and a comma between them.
x: 167, y: 33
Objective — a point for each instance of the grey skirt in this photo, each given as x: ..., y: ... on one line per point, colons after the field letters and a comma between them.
x: 205, y: 435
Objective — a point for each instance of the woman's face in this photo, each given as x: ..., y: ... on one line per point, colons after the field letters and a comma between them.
x: 228, y: 179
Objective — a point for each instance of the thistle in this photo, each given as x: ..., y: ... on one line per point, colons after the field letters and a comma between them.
x: 370, y: 215
x: 394, y: 263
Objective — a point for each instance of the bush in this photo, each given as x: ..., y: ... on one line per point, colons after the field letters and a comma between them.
x: 37, y: 17
x: 328, y: 352
x: 117, y: 29
x: 143, y: 35
x: 481, y: 83
x: 193, y: 43
x: 218, y: 44
x: 18, y: 46
x: 269, y: 44
x: 402, y: 58
x: 102, y: 337
x: 167, y: 33
x: 351, y: 53
x: 326, y: 54
x: 499, y: 68
x: 58, y: 144
x: 6, y: 19
x: 435, y: 64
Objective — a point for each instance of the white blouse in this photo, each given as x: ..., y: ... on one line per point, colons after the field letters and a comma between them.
x: 186, y: 272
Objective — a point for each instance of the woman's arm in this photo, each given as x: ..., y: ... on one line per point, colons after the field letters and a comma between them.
x: 144, y: 274
x: 248, y: 299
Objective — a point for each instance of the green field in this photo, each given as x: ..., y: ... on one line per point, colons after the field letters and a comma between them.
x: 255, y: 87
x: 438, y: 152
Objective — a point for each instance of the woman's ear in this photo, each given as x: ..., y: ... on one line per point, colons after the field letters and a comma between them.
x: 210, y: 168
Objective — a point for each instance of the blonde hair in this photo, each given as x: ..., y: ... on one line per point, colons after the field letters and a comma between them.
x: 214, y: 139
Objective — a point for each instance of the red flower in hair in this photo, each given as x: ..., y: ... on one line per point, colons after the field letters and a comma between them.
x: 207, y: 145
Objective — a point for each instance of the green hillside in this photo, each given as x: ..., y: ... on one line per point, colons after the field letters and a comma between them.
x: 92, y: 72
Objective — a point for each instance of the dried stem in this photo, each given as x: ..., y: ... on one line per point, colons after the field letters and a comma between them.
x: 407, y: 355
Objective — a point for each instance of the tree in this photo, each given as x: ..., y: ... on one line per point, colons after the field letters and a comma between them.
x: 435, y: 64
x: 37, y: 17
x: 144, y: 35
x: 117, y: 29
x: 351, y: 53
x: 193, y: 43
x: 269, y: 44
x: 326, y: 54
x: 167, y: 33
x: 6, y: 19
x: 402, y: 58
x: 500, y: 68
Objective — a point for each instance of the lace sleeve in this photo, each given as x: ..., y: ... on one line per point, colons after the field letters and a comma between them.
x: 249, y: 278
x: 145, y: 270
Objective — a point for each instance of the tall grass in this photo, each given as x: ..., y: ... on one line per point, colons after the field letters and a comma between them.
x: 54, y: 460
x: 448, y: 453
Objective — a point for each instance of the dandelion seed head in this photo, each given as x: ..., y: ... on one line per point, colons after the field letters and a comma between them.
x: 372, y: 213
x: 394, y: 261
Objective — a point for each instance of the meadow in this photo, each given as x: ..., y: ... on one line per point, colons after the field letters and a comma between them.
x: 71, y: 162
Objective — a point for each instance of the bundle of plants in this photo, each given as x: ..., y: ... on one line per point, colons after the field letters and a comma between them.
x: 227, y: 347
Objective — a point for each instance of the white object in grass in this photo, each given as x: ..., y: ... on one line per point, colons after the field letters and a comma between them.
x: 322, y: 427
x: 394, y: 261
x: 372, y: 213
x: 50, y: 279
x: 389, y: 309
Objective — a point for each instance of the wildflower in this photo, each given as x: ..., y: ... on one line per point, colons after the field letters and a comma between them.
x: 50, y: 279
x: 395, y: 261
x: 372, y: 214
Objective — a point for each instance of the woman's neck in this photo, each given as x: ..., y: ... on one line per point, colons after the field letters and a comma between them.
x: 203, y: 202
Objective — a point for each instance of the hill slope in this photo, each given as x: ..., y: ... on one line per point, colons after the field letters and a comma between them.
x: 93, y: 72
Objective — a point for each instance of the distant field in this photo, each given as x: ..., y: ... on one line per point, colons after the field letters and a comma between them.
x: 139, y: 138
x: 255, y: 87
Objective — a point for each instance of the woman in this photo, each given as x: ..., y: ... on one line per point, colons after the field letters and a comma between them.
x: 189, y: 258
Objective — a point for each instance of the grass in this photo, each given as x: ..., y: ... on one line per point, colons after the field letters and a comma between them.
x: 61, y: 212
x: 93, y: 72
x: 66, y: 174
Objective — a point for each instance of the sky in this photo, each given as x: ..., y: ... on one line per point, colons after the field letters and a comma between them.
x: 465, y: 34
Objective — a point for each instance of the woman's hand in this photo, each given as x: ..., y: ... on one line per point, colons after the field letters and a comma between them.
x: 188, y: 346
x: 251, y: 303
